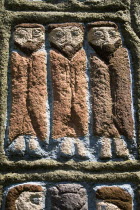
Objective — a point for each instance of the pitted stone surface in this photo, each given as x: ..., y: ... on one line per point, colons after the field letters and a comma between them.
x: 121, y: 93
x: 29, y: 94
x: 120, y: 148
x: 69, y: 95
x: 105, y: 151
x: 106, y: 206
x: 71, y: 147
x: 29, y: 37
x: 68, y: 197
x: 104, y: 37
x: 67, y: 38
x: 30, y: 201
x: 20, y: 122
x: 101, y: 99
x: 115, y: 195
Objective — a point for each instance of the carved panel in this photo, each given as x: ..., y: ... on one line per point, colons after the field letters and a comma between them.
x: 85, y: 100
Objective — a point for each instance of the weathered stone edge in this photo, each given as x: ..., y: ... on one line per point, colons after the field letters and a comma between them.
x: 9, y: 19
x: 71, y: 5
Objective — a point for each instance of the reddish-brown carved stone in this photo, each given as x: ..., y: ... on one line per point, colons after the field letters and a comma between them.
x: 37, y: 93
x: 28, y: 113
x: 121, y: 93
x: 20, y: 122
x: 69, y: 94
x: 101, y: 99
x: 115, y: 195
x: 15, y: 192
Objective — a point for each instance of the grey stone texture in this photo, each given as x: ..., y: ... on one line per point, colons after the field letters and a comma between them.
x: 68, y: 197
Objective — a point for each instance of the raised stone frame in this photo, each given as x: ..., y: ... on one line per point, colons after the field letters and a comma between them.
x: 14, y: 172
x: 67, y: 5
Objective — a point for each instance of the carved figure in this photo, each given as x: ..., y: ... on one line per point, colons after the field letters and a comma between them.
x: 110, y: 86
x: 68, y: 66
x: 68, y: 197
x: 25, y: 197
x: 114, y: 197
x: 29, y: 95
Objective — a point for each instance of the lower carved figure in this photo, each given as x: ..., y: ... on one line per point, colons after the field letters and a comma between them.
x: 113, y: 198
x: 25, y: 197
x: 68, y: 197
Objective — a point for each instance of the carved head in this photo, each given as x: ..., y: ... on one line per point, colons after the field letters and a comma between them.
x: 104, y: 37
x: 30, y: 200
x: 67, y: 38
x: 68, y: 197
x: 29, y: 37
x: 25, y: 197
x: 113, y: 197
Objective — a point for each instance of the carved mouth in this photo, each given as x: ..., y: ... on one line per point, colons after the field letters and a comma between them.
x: 68, y: 48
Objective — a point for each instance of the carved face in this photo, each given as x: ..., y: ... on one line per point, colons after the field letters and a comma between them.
x: 29, y: 39
x: 106, y: 39
x: 67, y: 39
x: 30, y: 200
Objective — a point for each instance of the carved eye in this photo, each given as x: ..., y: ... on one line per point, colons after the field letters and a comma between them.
x: 36, y: 32
x: 59, y: 34
x: 21, y: 33
x: 112, y: 33
x: 35, y: 199
x: 75, y: 33
x: 98, y: 34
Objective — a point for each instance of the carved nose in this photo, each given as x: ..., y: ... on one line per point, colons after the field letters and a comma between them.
x: 68, y: 38
x: 106, y: 37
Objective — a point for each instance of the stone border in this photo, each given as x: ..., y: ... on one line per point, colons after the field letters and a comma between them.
x: 8, y: 20
x: 69, y: 5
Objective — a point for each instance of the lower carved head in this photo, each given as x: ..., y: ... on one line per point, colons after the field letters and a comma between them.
x: 29, y: 37
x: 25, y: 197
x: 67, y: 38
x: 104, y: 36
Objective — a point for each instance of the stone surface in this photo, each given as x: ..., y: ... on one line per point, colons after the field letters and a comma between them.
x: 105, y: 151
x: 121, y: 92
x: 101, y: 99
x: 68, y: 197
x: 106, y: 206
x: 29, y: 94
x: 120, y: 148
x: 104, y: 37
x: 67, y: 38
x: 71, y: 147
x: 34, y: 148
x: 67, y: 148
x: 69, y: 95
x: 37, y: 93
x: 135, y: 15
x: 30, y: 201
x: 115, y: 195
x: 20, y: 122
x: 17, y: 147
x: 29, y: 37
x: 25, y: 197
